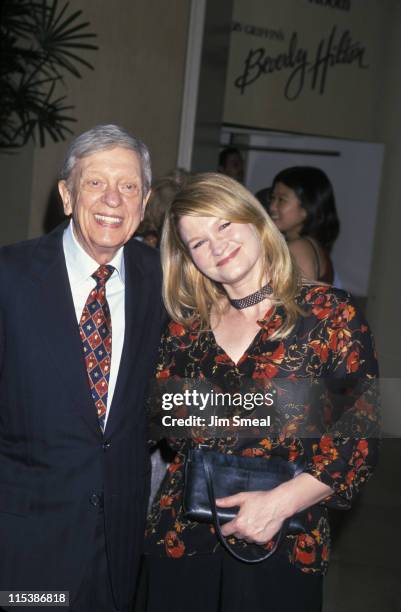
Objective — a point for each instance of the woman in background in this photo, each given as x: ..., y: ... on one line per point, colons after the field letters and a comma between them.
x: 162, y: 193
x: 303, y: 207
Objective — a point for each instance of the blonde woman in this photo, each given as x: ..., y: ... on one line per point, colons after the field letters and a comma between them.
x: 239, y: 314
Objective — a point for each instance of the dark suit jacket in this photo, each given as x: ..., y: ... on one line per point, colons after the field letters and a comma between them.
x: 54, y: 460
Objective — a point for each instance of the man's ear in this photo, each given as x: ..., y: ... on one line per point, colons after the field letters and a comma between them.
x: 144, y: 203
x: 66, y: 197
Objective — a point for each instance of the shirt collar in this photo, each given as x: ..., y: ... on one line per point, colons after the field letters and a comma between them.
x: 80, y: 265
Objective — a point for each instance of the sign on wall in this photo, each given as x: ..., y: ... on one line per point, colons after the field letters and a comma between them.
x: 309, y: 66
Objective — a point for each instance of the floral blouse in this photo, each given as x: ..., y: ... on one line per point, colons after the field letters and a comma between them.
x: 331, y: 340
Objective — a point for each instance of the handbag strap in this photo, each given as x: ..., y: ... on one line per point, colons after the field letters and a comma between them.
x: 212, y: 501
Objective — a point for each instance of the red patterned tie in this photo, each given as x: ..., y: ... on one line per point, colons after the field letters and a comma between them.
x: 95, y: 330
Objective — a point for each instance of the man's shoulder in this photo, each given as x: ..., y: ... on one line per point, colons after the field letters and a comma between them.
x: 18, y: 252
x: 21, y: 256
x: 144, y: 255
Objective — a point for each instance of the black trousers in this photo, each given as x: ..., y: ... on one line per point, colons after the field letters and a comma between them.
x: 95, y: 594
x: 220, y: 583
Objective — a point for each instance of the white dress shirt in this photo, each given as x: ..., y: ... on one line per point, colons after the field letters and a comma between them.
x: 80, y: 267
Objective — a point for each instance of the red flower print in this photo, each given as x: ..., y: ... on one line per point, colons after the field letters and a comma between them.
x: 305, y: 549
x: 252, y: 452
x: 327, y: 447
x: 349, y: 479
x: 316, y: 535
x: 293, y: 453
x: 165, y: 501
x: 290, y: 428
x: 224, y: 359
x: 176, y: 329
x: 266, y: 364
x: 363, y: 447
x: 365, y: 409
x: 360, y: 453
x: 271, y: 326
x: 199, y: 440
x: 163, y: 373
x: 322, y: 304
x: 264, y: 370
x: 339, y: 339
x: 320, y: 462
x: 175, y: 465
x: 321, y: 349
x: 353, y: 361
x: 278, y: 354
x: 174, y: 546
x: 269, y: 545
x: 315, y: 290
x: 343, y: 315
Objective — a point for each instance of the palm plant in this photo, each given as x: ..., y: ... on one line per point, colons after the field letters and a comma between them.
x: 39, y: 42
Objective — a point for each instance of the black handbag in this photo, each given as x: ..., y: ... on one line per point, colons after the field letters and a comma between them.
x: 210, y: 474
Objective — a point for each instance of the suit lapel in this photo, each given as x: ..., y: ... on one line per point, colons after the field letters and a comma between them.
x: 56, y: 319
x: 137, y: 297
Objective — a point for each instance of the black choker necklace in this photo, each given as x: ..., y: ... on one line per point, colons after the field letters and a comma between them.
x: 251, y: 300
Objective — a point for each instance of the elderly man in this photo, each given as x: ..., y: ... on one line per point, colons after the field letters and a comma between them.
x: 80, y: 318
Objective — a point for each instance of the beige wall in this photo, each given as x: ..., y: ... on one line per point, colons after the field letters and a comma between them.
x: 209, y: 116
x: 137, y: 82
x: 384, y: 306
x: 16, y: 186
x: 299, y: 92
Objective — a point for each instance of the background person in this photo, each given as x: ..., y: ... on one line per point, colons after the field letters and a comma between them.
x: 303, y: 207
x: 239, y: 314
x: 231, y: 163
x: 162, y: 193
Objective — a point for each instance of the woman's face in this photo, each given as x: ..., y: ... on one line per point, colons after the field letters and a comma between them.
x: 226, y: 252
x: 286, y: 210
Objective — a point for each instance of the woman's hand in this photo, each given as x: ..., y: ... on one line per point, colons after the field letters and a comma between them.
x: 262, y: 513
x: 260, y: 517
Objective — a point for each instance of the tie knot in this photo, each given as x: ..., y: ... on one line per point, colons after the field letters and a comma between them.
x: 102, y: 274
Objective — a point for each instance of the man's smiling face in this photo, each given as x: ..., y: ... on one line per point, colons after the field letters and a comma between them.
x: 105, y: 198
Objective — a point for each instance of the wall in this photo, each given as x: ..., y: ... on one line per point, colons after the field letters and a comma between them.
x: 306, y: 66
x: 384, y: 305
x: 16, y: 185
x: 209, y: 116
x: 385, y: 287
x: 137, y: 82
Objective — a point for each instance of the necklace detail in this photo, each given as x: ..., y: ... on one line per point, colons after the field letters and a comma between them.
x: 251, y: 300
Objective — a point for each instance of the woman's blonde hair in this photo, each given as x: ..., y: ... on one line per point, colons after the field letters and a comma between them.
x: 188, y: 294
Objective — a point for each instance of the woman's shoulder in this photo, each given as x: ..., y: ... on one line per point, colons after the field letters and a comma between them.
x: 303, y: 247
x: 302, y: 243
x: 306, y: 256
x: 325, y: 301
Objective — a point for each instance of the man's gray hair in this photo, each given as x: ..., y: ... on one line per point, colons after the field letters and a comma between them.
x: 103, y: 137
